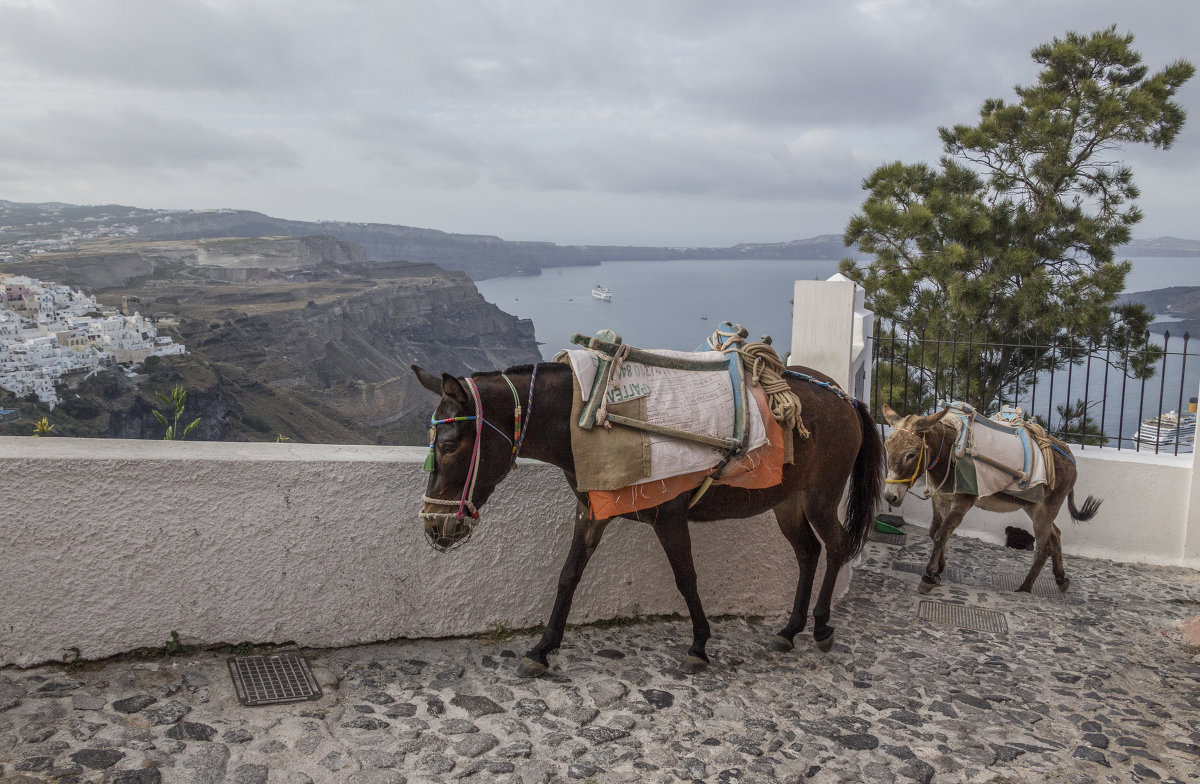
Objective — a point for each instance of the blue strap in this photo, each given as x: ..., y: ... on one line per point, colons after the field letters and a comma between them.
x: 805, y: 377
x: 1067, y: 455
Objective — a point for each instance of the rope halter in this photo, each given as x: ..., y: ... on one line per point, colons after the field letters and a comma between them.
x: 920, y: 459
x: 466, y: 507
x: 923, y: 455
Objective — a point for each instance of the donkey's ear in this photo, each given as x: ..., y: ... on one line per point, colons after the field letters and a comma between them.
x: 890, y: 415
x: 427, y: 379
x: 453, y: 389
x: 924, y: 423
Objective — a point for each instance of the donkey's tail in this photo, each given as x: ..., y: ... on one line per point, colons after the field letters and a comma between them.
x: 866, y: 483
x: 1091, y: 505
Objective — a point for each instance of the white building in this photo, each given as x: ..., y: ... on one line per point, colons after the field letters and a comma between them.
x: 45, y: 335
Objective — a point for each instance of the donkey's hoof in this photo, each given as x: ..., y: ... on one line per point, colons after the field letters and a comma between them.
x: 824, y: 644
x: 693, y: 664
x: 781, y: 644
x: 925, y: 587
x: 530, y: 668
x: 1064, y: 584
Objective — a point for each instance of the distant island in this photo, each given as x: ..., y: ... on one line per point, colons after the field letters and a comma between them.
x: 27, y: 229
x: 1181, y: 304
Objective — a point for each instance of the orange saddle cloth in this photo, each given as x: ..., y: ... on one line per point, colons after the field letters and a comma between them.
x: 759, y: 468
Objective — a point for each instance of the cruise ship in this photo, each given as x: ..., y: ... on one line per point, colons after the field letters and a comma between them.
x: 602, y: 293
x: 1166, y: 431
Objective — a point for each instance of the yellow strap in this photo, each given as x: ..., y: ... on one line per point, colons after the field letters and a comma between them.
x: 912, y: 480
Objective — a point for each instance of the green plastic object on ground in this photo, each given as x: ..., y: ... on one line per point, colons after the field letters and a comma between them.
x: 886, y: 528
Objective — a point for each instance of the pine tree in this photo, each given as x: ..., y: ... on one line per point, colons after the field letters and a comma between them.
x: 1011, y: 237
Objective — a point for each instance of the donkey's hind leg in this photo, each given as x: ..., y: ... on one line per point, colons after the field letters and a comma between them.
x: 586, y: 538
x: 1049, y: 544
x: 676, y: 541
x: 823, y: 517
x: 795, y: 528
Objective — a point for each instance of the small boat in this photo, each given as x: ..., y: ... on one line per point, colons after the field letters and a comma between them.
x: 601, y: 293
x: 1166, y: 431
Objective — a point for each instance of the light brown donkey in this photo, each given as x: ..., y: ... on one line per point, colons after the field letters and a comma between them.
x: 925, y: 445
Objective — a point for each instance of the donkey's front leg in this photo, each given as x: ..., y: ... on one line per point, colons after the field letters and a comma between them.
x: 583, y: 543
x: 947, y: 514
x: 676, y: 541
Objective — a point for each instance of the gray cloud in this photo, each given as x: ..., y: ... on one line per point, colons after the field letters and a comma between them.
x: 768, y: 111
x: 131, y: 139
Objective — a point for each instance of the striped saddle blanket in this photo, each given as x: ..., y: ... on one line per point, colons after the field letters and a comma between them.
x: 624, y: 469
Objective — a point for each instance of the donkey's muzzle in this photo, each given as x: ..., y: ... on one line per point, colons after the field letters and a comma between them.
x: 445, y: 530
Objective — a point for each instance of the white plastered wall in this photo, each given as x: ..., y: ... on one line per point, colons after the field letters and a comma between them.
x: 1144, y: 517
x: 110, y: 545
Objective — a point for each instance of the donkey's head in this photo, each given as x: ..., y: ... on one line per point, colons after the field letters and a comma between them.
x: 468, y: 455
x: 907, y: 453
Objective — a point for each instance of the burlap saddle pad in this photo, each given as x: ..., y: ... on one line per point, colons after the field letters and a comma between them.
x: 993, y: 456
x: 699, y: 402
x: 625, y: 469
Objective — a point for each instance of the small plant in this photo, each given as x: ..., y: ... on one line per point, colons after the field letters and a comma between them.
x: 502, y: 632
x: 74, y: 658
x: 176, y: 400
x: 42, y: 428
x: 281, y: 439
x: 176, y: 648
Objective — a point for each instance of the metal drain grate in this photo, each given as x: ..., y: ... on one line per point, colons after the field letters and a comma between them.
x: 963, y: 617
x: 882, y: 538
x: 270, y: 680
x: 908, y: 566
x: 1044, y: 586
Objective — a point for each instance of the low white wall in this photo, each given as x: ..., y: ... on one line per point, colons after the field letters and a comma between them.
x: 110, y: 545
x: 1144, y: 517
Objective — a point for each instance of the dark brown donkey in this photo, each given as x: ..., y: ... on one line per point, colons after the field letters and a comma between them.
x: 925, y: 445
x: 844, y: 445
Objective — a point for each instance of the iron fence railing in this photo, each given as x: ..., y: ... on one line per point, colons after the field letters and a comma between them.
x: 1088, y: 396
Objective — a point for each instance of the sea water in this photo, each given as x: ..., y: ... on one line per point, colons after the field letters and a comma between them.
x: 679, y: 304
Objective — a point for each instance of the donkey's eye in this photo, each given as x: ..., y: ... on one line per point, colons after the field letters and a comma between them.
x: 910, y: 455
x: 448, y: 446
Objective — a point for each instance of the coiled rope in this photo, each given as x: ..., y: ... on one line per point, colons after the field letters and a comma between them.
x: 765, y: 369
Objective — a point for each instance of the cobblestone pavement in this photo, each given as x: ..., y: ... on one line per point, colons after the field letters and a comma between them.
x: 1093, y: 686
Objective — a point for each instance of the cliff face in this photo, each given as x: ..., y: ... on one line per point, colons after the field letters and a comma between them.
x: 286, y: 336
x: 352, y: 352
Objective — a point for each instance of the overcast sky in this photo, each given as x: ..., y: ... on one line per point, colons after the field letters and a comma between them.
x: 658, y: 122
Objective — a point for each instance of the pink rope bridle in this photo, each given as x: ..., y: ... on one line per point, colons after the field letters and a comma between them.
x: 466, y: 502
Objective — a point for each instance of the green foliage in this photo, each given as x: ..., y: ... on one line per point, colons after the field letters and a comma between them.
x: 177, y: 400
x: 1076, y: 426
x: 1013, y: 233
x: 174, y: 647
x: 74, y: 659
x: 42, y: 428
x: 502, y: 632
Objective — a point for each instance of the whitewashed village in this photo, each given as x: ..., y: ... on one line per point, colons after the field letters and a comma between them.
x: 52, y: 335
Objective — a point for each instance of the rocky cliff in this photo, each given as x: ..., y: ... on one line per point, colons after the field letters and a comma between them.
x: 287, y: 336
x: 350, y: 350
